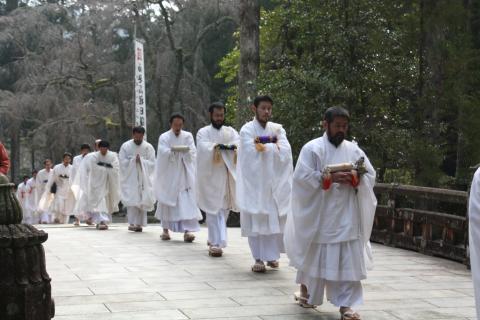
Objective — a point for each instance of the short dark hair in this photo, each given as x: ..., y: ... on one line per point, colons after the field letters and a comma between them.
x: 34, y: 171
x: 104, y: 144
x: 45, y: 161
x: 25, y: 177
x: 265, y: 98
x: 138, y: 129
x: 67, y: 154
x: 175, y: 116
x: 217, y: 105
x: 334, y: 112
x: 85, y: 146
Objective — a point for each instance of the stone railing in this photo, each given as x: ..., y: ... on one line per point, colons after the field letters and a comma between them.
x: 428, y: 220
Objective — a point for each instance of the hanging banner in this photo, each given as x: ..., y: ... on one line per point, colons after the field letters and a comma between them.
x: 140, y: 103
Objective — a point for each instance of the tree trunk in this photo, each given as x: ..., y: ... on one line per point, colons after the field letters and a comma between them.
x: 124, y: 132
x: 249, y: 58
x: 12, y: 5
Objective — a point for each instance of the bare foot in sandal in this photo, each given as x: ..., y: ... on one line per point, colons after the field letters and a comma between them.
x: 259, y: 267
x: 273, y: 264
x: 348, y: 314
x: 302, y: 297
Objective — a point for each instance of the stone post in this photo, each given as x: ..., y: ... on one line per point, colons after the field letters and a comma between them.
x: 25, y: 291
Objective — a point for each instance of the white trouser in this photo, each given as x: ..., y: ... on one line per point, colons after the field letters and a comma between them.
x: 136, y: 216
x: 266, y: 247
x: 339, y: 293
x: 217, y: 228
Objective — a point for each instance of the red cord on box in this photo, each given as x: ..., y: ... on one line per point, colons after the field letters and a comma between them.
x: 327, y: 182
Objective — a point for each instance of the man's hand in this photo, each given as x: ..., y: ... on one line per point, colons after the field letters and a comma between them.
x: 342, y: 177
x: 137, y: 158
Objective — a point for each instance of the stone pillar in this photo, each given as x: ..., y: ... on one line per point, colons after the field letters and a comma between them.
x: 25, y: 291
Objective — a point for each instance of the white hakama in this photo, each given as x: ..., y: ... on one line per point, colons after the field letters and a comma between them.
x: 264, y: 182
x: 216, y: 175
x: 474, y: 236
x: 217, y: 228
x: 327, y: 233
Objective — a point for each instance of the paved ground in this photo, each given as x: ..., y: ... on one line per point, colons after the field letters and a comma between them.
x: 119, y: 275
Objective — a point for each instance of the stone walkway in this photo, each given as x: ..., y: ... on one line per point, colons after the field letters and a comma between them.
x: 119, y: 275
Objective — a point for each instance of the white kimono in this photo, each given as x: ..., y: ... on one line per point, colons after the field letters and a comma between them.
x: 76, y: 163
x: 43, y: 176
x: 174, y: 183
x: 136, y: 180
x: 216, y: 179
x: 33, y: 199
x: 62, y: 202
x: 97, y: 186
x: 264, y: 184
x: 327, y: 233
x: 474, y: 236
x: 23, y: 193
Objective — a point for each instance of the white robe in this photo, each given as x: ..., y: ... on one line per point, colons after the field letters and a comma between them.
x: 33, y: 198
x: 23, y: 193
x: 328, y: 231
x: 216, y: 180
x: 474, y: 236
x: 76, y: 163
x: 43, y: 176
x: 97, y: 187
x: 136, y: 177
x: 174, y: 182
x: 62, y: 202
x: 264, y: 180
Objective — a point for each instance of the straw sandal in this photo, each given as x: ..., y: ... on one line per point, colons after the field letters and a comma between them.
x: 302, y: 301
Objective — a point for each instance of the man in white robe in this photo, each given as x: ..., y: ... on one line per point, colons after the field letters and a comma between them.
x: 23, y: 193
x: 43, y: 177
x: 58, y: 196
x: 216, y: 162
x: 327, y: 233
x: 77, y: 162
x: 137, y: 165
x: 33, y: 197
x: 98, y: 190
x: 264, y: 182
x: 174, y: 184
x: 474, y: 236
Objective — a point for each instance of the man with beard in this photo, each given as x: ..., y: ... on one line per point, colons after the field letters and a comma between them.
x: 174, y: 184
x: 98, y: 193
x: 216, y: 162
x: 77, y: 162
x: 43, y: 177
x: 328, y: 229
x: 264, y: 182
x: 137, y: 164
x: 58, y: 196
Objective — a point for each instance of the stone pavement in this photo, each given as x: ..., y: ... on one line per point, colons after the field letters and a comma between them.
x: 120, y: 275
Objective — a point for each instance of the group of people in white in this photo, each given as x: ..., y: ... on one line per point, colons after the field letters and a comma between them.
x: 320, y: 214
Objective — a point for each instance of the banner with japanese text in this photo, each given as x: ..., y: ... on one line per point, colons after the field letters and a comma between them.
x: 140, y: 101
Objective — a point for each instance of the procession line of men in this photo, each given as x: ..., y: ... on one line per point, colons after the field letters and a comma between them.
x: 323, y: 223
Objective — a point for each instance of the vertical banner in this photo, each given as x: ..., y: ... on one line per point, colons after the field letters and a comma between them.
x: 140, y: 103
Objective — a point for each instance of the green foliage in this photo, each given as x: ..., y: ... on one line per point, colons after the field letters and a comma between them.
x: 410, y: 87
